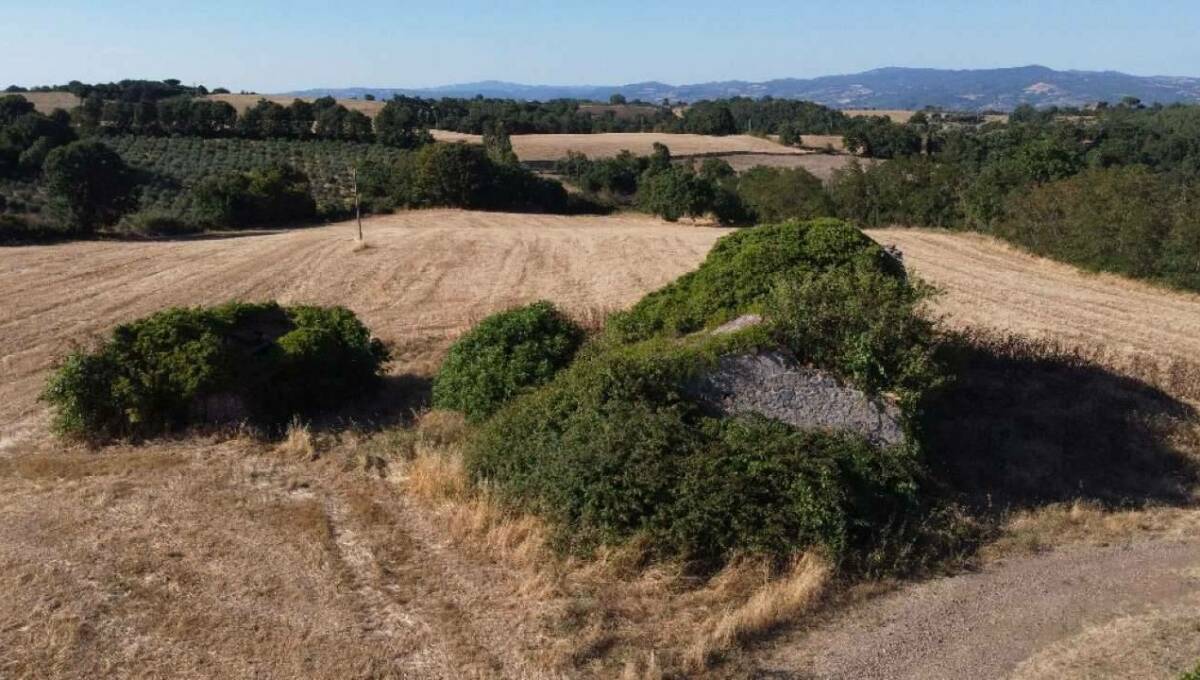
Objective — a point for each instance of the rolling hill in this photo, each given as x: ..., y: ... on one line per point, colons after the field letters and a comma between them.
x: 999, y: 89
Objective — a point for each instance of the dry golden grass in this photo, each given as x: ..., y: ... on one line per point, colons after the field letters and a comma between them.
x: 241, y: 102
x: 426, y: 277
x: 46, y: 102
x: 820, y: 164
x: 1135, y: 328
x: 895, y: 115
x: 612, y: 605
x: 542, y: 148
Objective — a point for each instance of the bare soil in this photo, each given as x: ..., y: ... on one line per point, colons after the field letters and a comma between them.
x: 1124, y: 611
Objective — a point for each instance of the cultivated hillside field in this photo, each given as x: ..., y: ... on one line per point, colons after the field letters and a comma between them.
x: 427, y: 276
x: 552, y: 147
x: 359, y: 552
x: 1134, y: 327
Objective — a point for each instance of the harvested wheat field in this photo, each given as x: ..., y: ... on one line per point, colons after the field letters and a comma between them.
x: 553, y: 147
x: 365, y: 552
x: 819, y: 164
x: 46, y: 102
x: 426, y: 276
x: 544, y: 148
x: 241, y: 102
x: 1145, y: 330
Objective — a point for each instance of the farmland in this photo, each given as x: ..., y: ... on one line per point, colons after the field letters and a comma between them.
x: 398, y: 582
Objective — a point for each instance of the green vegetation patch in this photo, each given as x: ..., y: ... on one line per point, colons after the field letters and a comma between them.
x: 613, y: 447
x: 505, y: 355
x: 260, y: 363
x: 621, y: 444
x: 740, y: 271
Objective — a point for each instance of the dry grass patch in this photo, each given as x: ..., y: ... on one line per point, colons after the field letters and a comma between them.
x: 614, y: 611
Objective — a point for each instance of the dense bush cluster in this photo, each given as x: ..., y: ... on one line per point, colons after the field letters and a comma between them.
x: 738, y: 275
x: 175, y: 166
x: 1113, y: 189
x: 260, y: 363
x: 614, y: 445
x: 505, y: 355
x: 612, y: 448
x: 459, y: 175
x: 27, y: 137
x: 185, y: 115
x: 277, y: 194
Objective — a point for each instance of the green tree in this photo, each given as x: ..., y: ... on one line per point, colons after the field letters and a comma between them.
x: 616, y: 99
x: 777, y: 194
x: 398, y: 124
x: 90, y: 186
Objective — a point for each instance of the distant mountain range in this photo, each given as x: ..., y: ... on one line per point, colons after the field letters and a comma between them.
x: 998, y: 89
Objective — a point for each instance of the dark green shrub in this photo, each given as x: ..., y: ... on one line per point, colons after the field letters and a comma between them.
x: 155, y: 223
x: 613, y: 448
x: 89, y: 184
x: 776, y: 194
x: 739, y: 272
x: 506, y: 354
x: 277, y: 194
x: 673, y: 193
x: 256, y: 362
x: 1193, y: 674
x: 861, y: 323
x: 1122, y: 220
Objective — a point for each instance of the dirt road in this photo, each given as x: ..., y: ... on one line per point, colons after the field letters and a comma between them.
x: 425, y: 277
x: 1128, y: 611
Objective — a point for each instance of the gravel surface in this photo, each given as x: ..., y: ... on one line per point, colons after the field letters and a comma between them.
x: 985, y: 624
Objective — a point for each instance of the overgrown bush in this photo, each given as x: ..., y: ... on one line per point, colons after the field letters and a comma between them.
x: 261, y: 363
x: 618, y: 445
x: 862, y: 323
x: 776, y: 194
x: 613, y: 448
x: 505, y: 355
x: 277, y: 194
x: 460, y: 176
x: 155, y: 223
x: 740, y: 270
x: 1125, y: 220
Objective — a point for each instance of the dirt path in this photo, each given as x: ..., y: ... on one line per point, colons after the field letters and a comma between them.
x: 1127, y: 611
x: 426, y: 277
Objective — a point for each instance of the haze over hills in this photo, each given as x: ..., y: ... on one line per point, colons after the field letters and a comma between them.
x: 883, y: 88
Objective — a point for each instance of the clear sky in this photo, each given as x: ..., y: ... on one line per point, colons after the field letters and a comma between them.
x: 277, y: 45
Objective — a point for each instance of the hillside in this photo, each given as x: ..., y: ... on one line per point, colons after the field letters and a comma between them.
x: 301, y: 555
x: 884, y: 88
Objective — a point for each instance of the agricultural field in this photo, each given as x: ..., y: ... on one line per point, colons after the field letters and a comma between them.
x: 819, y: 164
x: 428, y: 276
x: 46, y: 102
x: 534, y: 148
x: 241, y: 102
x: 174, y: 165
x: 298, y: 555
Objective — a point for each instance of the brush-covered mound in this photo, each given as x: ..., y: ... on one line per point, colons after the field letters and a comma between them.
x: 506, y: 354
x: 622, y: 443
x: 260, y: 363
x: 740, y: 271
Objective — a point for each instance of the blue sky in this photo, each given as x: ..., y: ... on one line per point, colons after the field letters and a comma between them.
x: 273, y: 45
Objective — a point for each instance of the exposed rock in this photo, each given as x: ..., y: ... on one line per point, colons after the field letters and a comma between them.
x: 773, y: 384
x: 743, y: 321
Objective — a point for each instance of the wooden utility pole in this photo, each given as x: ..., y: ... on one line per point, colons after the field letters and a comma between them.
x: 357, y: 210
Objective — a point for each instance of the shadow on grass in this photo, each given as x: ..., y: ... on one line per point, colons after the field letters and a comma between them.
x: 1024, y: 425
x: 399, y: 399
